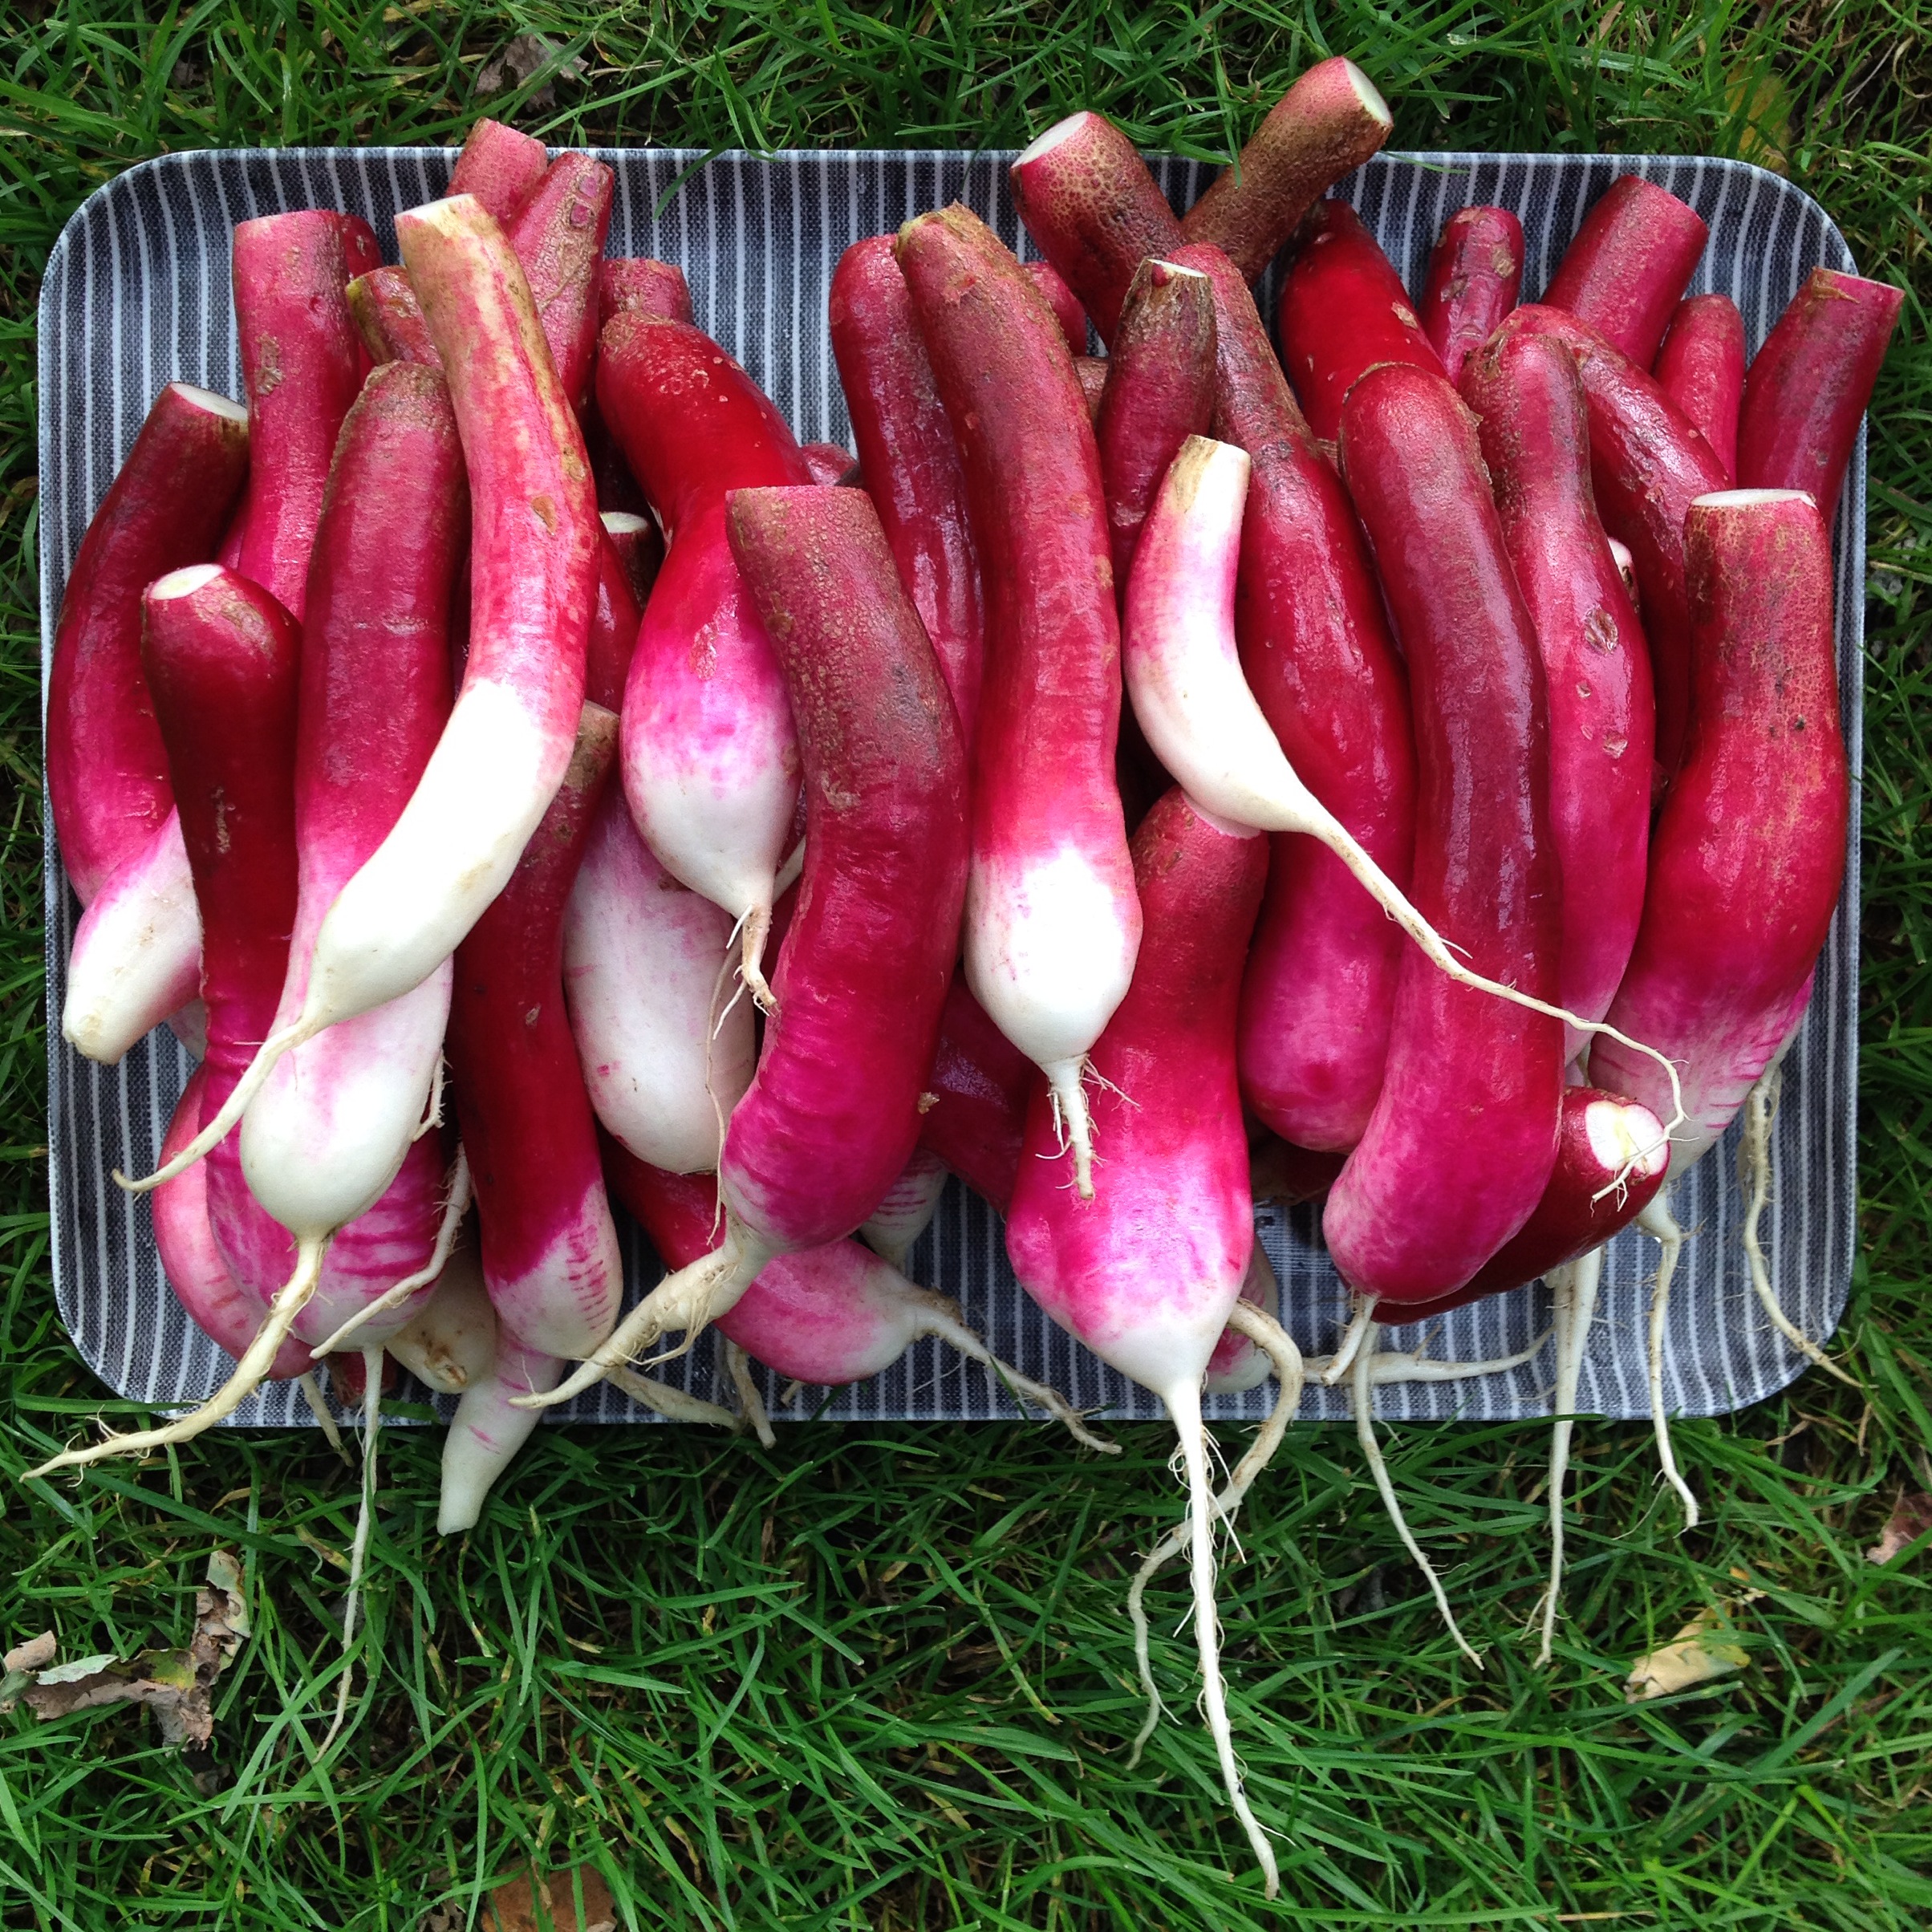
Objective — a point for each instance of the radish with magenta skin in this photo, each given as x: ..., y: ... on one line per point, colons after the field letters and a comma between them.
x: 1343, y: 310
x: 1462, y: 1068
x: 905, y: 1211
x: 639, y: 549
x: 1533, y: 430
x: 499, y: 166
x: 1628, y: 265
x: 532, y: 576
x: 980, y: 1082
x: 911, y: 462
x: 832, y: 1113
x: 1052, y: 922
x: 1808, y: 385
x: 558, y: 231
x: 1063, y: 302
x: 614, y: 616
x: 1148, y: 1271
x: 302, y: 366
x: 1325, y: 126
x: 389, y: 319
x: 638, y: 285
x: 827, y: 462
x: 1474, y: 276
x: 1701, y: 368
x: 710, y: 754
x: 1159, y: 391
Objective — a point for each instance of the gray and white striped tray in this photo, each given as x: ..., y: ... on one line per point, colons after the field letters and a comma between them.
x: 137, y: 293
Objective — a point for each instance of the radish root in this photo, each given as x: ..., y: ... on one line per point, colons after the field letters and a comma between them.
x: 1362, y: 1403
x: 1074, y: 1124
x: 673, y: 1404
x: 250, y: 1371
x: 938, y: 1317
x: 359, y: 1550
x: 319, y: 1407
x: 756, y: 926
x: 1360, y: 1319
x: 1657, y: 1221
x: 751, y: 1404
x: 1267, y: 1335
x: 1388, y: 1367
x: 1574, y: 1285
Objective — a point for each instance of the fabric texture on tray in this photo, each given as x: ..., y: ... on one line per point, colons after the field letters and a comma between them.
x: 136, y: 294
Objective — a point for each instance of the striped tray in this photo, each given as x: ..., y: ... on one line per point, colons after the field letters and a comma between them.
x: 137, y: 292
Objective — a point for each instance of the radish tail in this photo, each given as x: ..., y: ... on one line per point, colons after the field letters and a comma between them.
x: 319, y: 1407
x: 673, y: 1404
x: 1338, y: 1364
x: 755, y: 929
x: 455, y: 1206
x: 1390, y: 1367
x: 1575, y: 1285
x: 1184, y: 1406
x: 751, y: 1404
x: 1275, y: 1342
x: 1361, y: 1400
x: 359, y: 1550
x: 1753, y: 1172
x: 938, y: 1317
x: 1075, y: 1123
x: 250, y: 1371
x: 1656, y: 1220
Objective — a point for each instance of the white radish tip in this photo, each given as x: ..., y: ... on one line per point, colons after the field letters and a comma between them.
x: 1623, y: 1134
x: 1369, y: 95
x: 1749, y: 499
x: 1060, y: 131
x: 1177, y: 268
x: 624, y: 523
x: 183, y: 582
x: 207, y: 400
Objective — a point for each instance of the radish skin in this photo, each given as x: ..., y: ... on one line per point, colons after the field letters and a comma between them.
x: 1701, y: 368
x: 827, y: 462
x: 979, y: 1082
x: 614, y: 616
x: 639, y: 549
x: 1628, y: 265
x: 389, y: 319
x: 558, y: 231
x: 905, y: 1211
x: 1063, y: 302
x: 499, y: 166
x: 1474, y: 276
x: 641, y: 287
x: 452, y: 1340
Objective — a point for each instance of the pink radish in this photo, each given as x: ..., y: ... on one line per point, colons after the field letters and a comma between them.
x: 710, y: 756
x: 614, y: 615
x: 642, y: 287
x: 1325, y: 126
x: 1474, y: 276
x: 1063, y: 302
x: 832, y: 1114
x: 980, y: 1083
x: 1701, y: 368
x: 1052, y: 923
x: 828, y: 462
x: 498, y: 166
x: 1148, y: 1272
x: 911, y: 462
x: 389, y: 319
x: 1090, y: 372
x: 639, y: 549
x: 905, y: 1211
x: 557, y: 231
x: 1630, y: 262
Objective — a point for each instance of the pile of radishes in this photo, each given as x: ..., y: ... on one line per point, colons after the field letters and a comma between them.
x: 536, y: 660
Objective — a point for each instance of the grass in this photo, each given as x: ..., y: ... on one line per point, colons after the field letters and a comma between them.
x: 880, y: 1680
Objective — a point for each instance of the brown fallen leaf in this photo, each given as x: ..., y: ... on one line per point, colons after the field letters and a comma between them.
x: 512, y: 1906
x: 1760, y: 101
x: 1910, y: 1518
x: 175, y: 1684
x: 1701, y: 1650
x: 522, y: 59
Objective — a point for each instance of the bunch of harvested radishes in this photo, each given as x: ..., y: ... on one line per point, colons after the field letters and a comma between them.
x: 1512, y: 626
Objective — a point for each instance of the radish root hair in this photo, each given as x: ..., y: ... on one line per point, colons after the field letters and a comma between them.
x: 1072, y: 1124
x: 940, y: 1318
x: 751, y: 1404
x: 1361, y: 1315
x: 456, y: 1204
x: 1658, y: 1222
x: 1574, y: 1285
x: 310, y: 1386
x: 673, y: 1404
x: 359, y: 1550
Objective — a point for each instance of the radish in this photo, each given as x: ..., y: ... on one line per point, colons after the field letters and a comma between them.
x: 450, y: 1341
x: 1474, y: 275
x: 832, y: 1114
x: 612, y: 641
x: 1343, y: 310
x: 558, y: 230
x: 639, y: 549
x: 1090, y: 372
x: 1052, y: 923
x: 301, y: 365
x: 1701, y: 368
x: 979, y: 1082
x: 499, y: 167
x: 1063, y: 302
x: 1159, y: 391
x: 1148, y: 1271
x: 389, y: 319
x: 533, y: 562
x: 910, y: 461
x: 828, y: 462
x: 1533, y: 430
x: 710, y: 756
x: 905, y: 1211
x: 641, y: 287
x: 1809, y: 383
x: 1325, y: 126
x: 1628, y: 265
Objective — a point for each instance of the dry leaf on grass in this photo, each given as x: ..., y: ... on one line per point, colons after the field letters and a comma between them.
x: 521, y: 59
x: 1703, y: 1649
x: 1910, y: 1518
x: 175, y: 1684
x: 512, y: 1906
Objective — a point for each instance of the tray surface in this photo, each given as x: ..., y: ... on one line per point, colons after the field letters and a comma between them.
x: 136, y: 293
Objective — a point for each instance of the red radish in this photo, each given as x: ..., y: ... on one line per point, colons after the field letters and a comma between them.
x: 1344, y: 310
x: 1159, y: 391
x: 1474, y: 275
x: 641, y: 287
x: 1701, y: 368
x: 533, y: 574
x: 905, y: 1211
x: 1090, y: 372
x: 1628, y: 265
x: 1315, y: 647
x: 557, y: 231
x: 826, y: 462
x: 1052, y: 923
x: 1533, y: 429
x: 910, y: 461
x: 389, y: 319
x: 832, y: 1114
x: 1325, y: 126
x: 1148, y: 1272
x: 1462, y: 1069
x: 980, y: 1083
x: 1647, y: 462
x: 643, y: 958
x: 1809, y: 383
x: 107, y: 772
x: 302, y: 364
x: 1063, y: 302
x: 1087, y: 199
x: 710, y: 756
x: 548, y: 1246
x: 451, y: 1341
x: 499, y: 166
x: 639, y: 549
x: 614, y: 617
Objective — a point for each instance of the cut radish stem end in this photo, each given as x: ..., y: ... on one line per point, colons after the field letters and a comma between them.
x: 751, y: 1404
x: 1362, y: 1403
x: 1574, y: 1284
x: 454, y: 1209
x: 1657, y: 1221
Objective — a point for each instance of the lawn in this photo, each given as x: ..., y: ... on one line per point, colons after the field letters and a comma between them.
x: 881, y: 1677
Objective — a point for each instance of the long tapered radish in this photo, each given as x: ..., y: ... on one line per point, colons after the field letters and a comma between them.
x: 1533, y: 429
x: 1806, y: 392
x: 614, y: 615
x: 499, y: 166
x: 910, y: 461
x: 1148, y: 1271
x: 832, y: 1113
x: 532, y: 566
x: 1325, y: 126
x: 558, y: 230
x: 905, y: 1211
x: 1628, y: 264
x: 710, y: 755
x: 640, y: 286
x: 1051, y: 923
x: 1701, y: 368
x: 1475, y: 274
x: 389, y: 319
